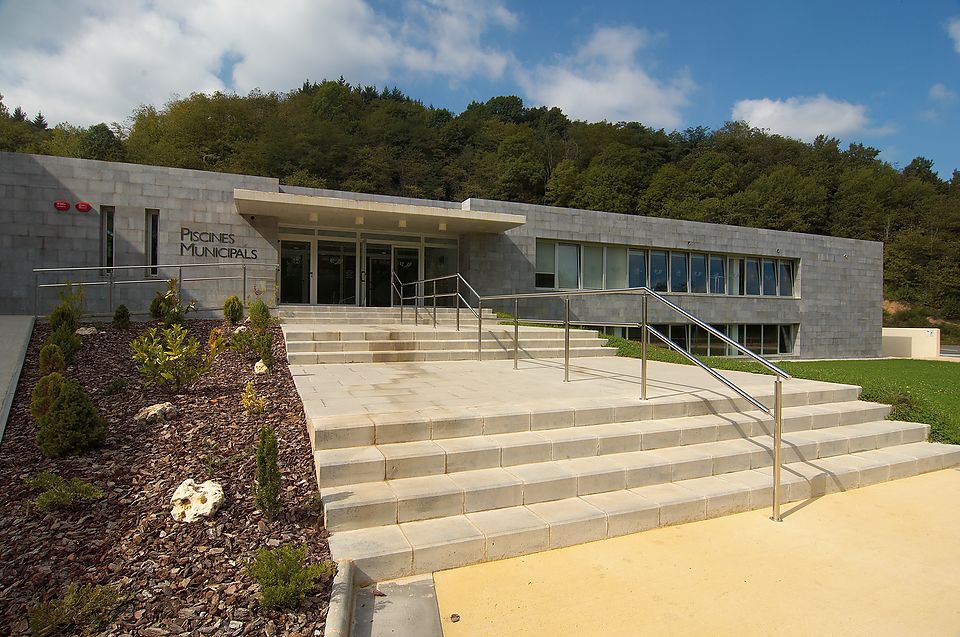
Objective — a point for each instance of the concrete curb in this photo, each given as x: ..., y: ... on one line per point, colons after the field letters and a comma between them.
x: 340, y: 612
x: 17, y: 366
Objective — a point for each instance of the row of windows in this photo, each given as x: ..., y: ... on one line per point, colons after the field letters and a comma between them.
x: 151, y: 237
x: 760, y: 339
x: 573, y: 266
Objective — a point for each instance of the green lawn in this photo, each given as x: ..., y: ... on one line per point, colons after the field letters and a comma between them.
x: 919, y: 391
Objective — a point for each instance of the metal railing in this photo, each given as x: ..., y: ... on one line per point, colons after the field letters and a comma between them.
x: 400, y: 286
x: 152, y: 276
x: 775, y: 411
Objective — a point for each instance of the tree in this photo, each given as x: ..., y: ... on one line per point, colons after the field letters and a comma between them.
x: 921, y: 168
x: 19, y: 115
x: 99, y: 142
x: 40, y: 121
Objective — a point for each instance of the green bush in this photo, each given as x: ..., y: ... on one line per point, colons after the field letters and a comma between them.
x: 51, y: 359
x: 156, y: 307
x: 168, y: 306
x: 285, y: 576
x: 82, y: 609
x: 254, y: 346
x: 68, y: 342
x: 45, y: 392
x: 62, y: 315
x: 259, y: 316
x: 252, y: 403
x: 233, y: 310
x: 115, y: 386
x: 71, y: 424
x: 121, y: 317
x: 266, y: 486
x: 70, y: 309
x: 57, y: 493
x: 173, y: 357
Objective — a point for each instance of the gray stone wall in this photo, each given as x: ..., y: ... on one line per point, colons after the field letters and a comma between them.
x: 34, y: 234
x: 839, y: 282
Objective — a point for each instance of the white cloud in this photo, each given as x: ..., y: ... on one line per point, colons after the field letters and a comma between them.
x: 940, y: 93
x: 806, y: 117
x: 87, y: 61
x: 953, y: 30
x: 604, y: 80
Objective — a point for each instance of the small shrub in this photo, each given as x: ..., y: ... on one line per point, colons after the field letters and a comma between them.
x: 62, y: 315
x: 168, y: 306
x: 85, y: 609
x: 45, y: 393
x: 233, y: 310
x: 68, y: 342
x: 252, y: 403
x: 71, y: 424
x: 285, y: 576
x: 173, y: 357
x: 121, y: 317
x: 57, y: 493
x: 254, y: 346
x: 156, y: 307
x: 115, y: 386
x: 266, y: 486
x: 51, y: 359
x: 69, y: 310
x: 259, y: 316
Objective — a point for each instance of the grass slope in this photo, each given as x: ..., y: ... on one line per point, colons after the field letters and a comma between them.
x: 918, y: 391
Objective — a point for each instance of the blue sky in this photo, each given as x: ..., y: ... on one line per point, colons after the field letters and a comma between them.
x: 882, y: 73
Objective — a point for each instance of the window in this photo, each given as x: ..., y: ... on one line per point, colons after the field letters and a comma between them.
x: 546, y: 264
x: 678, y: 271
x: 786, y: 339
x: 616, y: 268
x: 699, y: 341
x: 638, y: 268
x: 751, y: 276
x: 698, y: 273
x: 592, y: 267
x: 769, y: 277
x: 106, y: 236
x: 754, y: 339
x: 717, y: 346
x: 786, y: 278
x: 718, y: 279
x: 736, y: 277
x: 771, y: 335
x: 152, y: 238
x: 568, y: 265
x: 658, y: 271
x: 678, y: 334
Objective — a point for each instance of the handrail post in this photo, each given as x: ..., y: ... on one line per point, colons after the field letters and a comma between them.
x: 416, y: 304
x: 480, y: 330
x: 434, y: 304
x: 644, y: 339
x: 36, y: 295
x: 243, y: 274
x: 566, y: 340
x: 457, y: 302
x: 777, y: 440
x: 110, y: 292
x: 180, y: 280
x: 516, y: 332
x: 401, y: 303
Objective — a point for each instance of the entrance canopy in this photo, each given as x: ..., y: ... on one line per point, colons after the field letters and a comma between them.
x: 370, y: 215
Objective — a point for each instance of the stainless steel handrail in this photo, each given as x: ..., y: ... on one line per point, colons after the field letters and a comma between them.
x: 434, y: 296
x: 779, y: 374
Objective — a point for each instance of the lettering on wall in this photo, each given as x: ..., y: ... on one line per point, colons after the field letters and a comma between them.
x: 203, y: 243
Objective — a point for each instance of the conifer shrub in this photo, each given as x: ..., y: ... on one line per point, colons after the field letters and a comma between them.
x: 254, y: 346
x: 57, y: 493
x: 70, y: 309
x: 71, y: 424
x: 266, y: 486
x: 233, y: 310
x: 285, y: 576
x: 252, y: 403
x: 51, y: 359
x: 45, y: 392
x: 259, y: 316
x: 81, y: 610
x: 174, y: 358
x: 68, y: 342
x: 156, y: 307
x: 115, y: 386
x: 62, y: 315
x: 121, y: 317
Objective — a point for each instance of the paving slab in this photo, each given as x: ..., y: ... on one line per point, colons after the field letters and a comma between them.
x: 401, y: 608
x: 15, y: 334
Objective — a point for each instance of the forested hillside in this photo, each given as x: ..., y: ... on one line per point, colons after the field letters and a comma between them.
x: 335, y: 135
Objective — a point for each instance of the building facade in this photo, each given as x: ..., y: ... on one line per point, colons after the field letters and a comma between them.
x: 134, y: 227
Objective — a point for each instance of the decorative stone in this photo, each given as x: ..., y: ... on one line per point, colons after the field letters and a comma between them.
x: 156, y: 413
x: 260, y: 368
x: 86, y: 331
x: 192, y: 501
x: 240, y: 328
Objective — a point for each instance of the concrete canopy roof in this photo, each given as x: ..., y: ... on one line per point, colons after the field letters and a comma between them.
x: 370, y: 215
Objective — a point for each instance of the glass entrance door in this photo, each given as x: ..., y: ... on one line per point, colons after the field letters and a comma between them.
x: 406, y: 265
x: 336, y: 273
x: 295, y: 271
x: 377, y: 274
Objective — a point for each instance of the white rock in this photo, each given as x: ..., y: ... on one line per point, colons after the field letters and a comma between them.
x: 240, y: 328
x: 155, y: 413
x: 192, y: 501
x: 86, y: 331
x: 260, y: 368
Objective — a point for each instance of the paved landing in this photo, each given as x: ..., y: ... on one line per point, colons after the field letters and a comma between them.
x: 876, y: 561
x: 14, y: 337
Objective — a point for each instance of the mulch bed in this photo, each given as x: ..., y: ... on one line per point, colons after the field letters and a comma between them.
x: 179, y: 578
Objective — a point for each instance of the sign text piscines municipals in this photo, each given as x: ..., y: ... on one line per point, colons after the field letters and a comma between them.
x: 201, y: 243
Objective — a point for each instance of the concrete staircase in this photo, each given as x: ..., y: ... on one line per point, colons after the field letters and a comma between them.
x: 405, y: 494
x: 325, y: 334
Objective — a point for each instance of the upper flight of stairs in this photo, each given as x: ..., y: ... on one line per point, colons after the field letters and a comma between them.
x: 404, y: 494
x: 330, y: 334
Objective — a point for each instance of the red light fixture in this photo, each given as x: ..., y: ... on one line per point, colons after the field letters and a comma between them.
x: 83, y: 206
x: 61, y: 205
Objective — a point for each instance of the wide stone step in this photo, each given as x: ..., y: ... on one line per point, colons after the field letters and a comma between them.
x: 384, y: 320
x: 500, y: 446
x: 294, y: 335
x: 492, y: 344
x: 318, y: 358
x: 827, y: 407
x: 400, y: 500
x: 423, y: 546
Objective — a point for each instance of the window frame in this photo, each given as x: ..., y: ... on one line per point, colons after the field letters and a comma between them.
x: 108, y: 243
x: 151, y: 236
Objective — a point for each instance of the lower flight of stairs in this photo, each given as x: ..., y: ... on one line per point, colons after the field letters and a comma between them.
x: 404, y: 495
